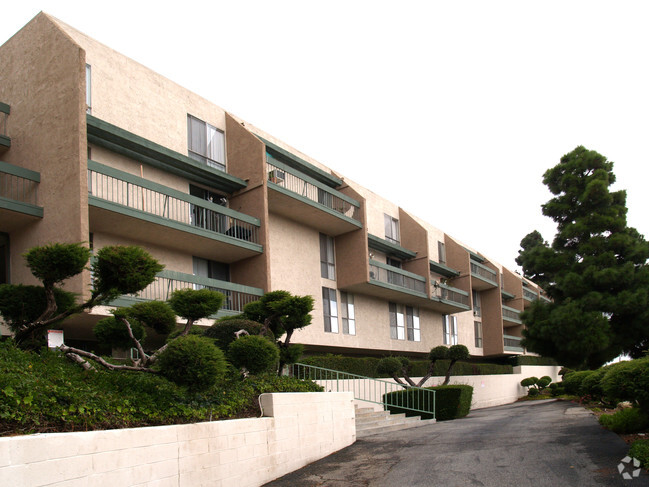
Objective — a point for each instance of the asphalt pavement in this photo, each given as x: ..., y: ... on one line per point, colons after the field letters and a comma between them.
x: 535, y: 444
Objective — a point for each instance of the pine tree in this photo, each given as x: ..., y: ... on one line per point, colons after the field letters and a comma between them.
x: 595, y: 271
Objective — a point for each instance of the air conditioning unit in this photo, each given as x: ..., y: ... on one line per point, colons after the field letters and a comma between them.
x: 276, y: 176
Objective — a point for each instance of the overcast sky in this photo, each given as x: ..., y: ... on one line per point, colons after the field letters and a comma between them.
x: 452, y: 110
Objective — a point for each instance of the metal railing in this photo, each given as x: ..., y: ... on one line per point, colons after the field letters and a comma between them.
x: 511, y: 313
x: 190, y: 210
x: 320, y: 195
x: 449, y: 293
x: 530, y: 295
x: 484, y: 272
x: 16, y: 187
x: 164, y: 285
x: 396, y: 277
x: 376, y: 391
x: 3, y: 123
x: 512, y: 343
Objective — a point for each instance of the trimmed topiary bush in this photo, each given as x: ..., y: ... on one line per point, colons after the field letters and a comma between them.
x: 628, y: 381
x: 627, y: 420
x: 572, y: 382
x: 533, y: 392
x: 255, y: 353
x: 591, y: 385
x: 223, y: 331
x: 192, y: 361
x: 451, y: 402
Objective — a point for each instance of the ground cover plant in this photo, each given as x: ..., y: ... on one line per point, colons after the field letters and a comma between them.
x: 45, y: 392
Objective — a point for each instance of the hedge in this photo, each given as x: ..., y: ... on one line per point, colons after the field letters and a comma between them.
x: 451, y: 402
x: 532, y: 360
x: 572, y: 381
x: 367, y: 366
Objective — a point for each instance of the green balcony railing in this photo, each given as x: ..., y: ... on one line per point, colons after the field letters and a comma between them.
x: 530, y: 295
x: 166, y: 282
x: 511, y: 314
x: 397, y: 277
x: 19, y: 189
x: 484, y: 272
x: 512, y: 343
x: 301, y: 184
x: 454, y: 295
x: 130, y: 191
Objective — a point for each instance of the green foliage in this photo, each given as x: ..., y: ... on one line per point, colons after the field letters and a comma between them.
x: 114, y: 333
x: 54, y: 263
x: 572, y: 382
x: 458, y: 352
x: 591, y: 384
x: 194, y: 304
x: 595, y: 271
x: 153, y: 314
x: 531, y: 360
x: 283, y: 312
x: 57, y: 395
x: 291, y: 354
x: 556, y: 389
x: 256, y: 353
x: 192, y: 361
x: 628, y: 381
x: 222, y: 331
x: 123, y: 270
x: 451, y: 402
x: 533, y: 392
x: 640, y: 451
x: 543, y: 382
x: 389, y: 366
x: 529, y: 381
x: 624, y: 421
x: 438, y: 353
x: 20, y: 305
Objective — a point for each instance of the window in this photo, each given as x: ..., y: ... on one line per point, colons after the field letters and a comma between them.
x: 347, y: 313
x: 477, y: 327
x: 412, y: 324
x: 211, y: 269
x: 205, y: 143
x: 327, y: 265
x: 477, y: 309
x: 404, y: 319
x: 88, y: 90
x: 391, y: 229
x: 330, y: 309
x: 441, y: 252
x: 450, y: 329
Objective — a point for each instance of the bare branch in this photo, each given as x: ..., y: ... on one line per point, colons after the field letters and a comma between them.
x: 135, y: 340
x: 84, y: 363
x: 70, y: 350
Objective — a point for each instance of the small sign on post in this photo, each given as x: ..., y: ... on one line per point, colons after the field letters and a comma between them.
x: 54, y: 338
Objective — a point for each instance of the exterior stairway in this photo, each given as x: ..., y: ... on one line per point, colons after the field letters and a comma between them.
x: 370, y: 422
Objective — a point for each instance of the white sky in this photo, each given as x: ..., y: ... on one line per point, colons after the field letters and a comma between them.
x: 452, y: 110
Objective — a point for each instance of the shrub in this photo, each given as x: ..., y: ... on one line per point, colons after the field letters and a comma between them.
x: 544, y: 382
x: 54, y: 263
x: 640, y: 451
x: 124, y: 269
x: 192, y: 361
x: 255, y: 353
x: 627, y: 420
x: 291, y: 354
x: 591, y: 384
x: 451, y: 402
x: 532, y: 360
x: 533, y: 392
x: 389, y: 366
x: 20, y: 304
x: 628, y: 381
x: 556, y: 389
x: 194, y: 304
x: 112, y: 331
x: 529, y: 381
x: 222, y: 332
x: 572, y: 382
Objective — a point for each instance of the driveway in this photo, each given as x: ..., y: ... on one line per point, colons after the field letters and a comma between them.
x: 535, y: 444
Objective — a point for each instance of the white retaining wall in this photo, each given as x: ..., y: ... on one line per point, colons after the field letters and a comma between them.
x: 300, y: 428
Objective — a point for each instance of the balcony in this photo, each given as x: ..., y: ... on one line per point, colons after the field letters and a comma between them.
x: 236, y: 295
x: 512, y: 344
x: 449, y: 299
x: 304, y: 199
x: 5, y: 141
x: 18, y: 196
x: 126, y: 205
x: 483, y: 277
x: 529, y: 296
x: 511, y: 316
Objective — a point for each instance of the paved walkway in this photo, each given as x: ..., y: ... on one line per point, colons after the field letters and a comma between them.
x: 535, y: 444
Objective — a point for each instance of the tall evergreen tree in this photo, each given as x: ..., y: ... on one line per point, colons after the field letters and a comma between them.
x: 595, y: 271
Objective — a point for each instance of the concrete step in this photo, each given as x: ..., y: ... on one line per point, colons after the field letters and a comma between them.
x: 370, y: 422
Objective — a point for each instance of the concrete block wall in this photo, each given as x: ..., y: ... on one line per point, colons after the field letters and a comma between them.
x: 297, y: 429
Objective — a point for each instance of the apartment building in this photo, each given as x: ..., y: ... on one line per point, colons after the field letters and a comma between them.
x: 95, y: 147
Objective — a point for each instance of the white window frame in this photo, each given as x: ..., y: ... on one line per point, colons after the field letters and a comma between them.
x: 327, y: 257
x: 88, y: 88
x: 347, y: 313
x: 449, y: 325
x: 441, y: 252
x: 391, y: 229
x: 202, y: 154
x: 412, y: 324
x: 477, y: 303
x: 477, y: 329
x: 330, y: 310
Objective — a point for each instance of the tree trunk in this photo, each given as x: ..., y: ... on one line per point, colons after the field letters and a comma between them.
x: 448, y: 373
